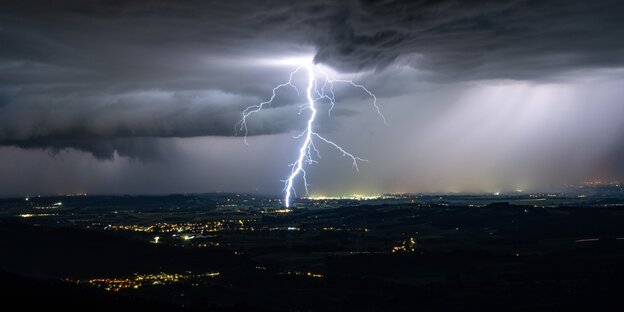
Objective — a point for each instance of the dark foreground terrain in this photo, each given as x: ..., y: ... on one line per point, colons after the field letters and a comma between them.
x: 236, y: 252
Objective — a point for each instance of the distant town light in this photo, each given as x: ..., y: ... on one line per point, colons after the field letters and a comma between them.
x: 350, y: 197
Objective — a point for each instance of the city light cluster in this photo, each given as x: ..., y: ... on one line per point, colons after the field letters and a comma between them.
x: 195, y: 227
x: 407, y: 245
x: 346, y: 197
x: 140, y: 280
x: 305, y: 274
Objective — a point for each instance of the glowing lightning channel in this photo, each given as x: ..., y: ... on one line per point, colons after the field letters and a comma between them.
x: 313, y: 94
x: 304, y: 151
x: 256, y: 108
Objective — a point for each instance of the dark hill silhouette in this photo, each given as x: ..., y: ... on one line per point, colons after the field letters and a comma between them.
x: 69, y: 252
x: 26, y: 294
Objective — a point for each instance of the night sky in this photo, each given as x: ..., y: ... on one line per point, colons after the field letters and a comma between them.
x: 127, y: 97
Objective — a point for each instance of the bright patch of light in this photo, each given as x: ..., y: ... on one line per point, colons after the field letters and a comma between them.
x: 346, y: 197
x: 284, y: 61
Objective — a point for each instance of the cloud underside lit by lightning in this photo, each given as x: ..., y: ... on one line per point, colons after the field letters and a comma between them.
x: 314, y: 92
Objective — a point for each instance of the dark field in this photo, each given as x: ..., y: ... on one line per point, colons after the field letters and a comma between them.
x: 238, y: 252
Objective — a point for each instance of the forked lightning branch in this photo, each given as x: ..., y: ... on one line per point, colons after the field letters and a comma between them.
x: 316, y: 90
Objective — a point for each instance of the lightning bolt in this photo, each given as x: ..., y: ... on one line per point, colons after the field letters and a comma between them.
x: 314, y: 92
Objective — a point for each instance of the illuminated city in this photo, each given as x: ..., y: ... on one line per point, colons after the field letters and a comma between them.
x: 141, y: 280
x: 196, y: 243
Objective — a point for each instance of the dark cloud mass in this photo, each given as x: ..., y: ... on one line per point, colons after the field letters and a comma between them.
x: 70, y: 68
x: 114, y: 77
x: 477, y: 39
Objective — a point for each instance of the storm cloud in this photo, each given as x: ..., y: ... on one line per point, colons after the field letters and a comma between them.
x: 124, y: 78
x: 91, y: 74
